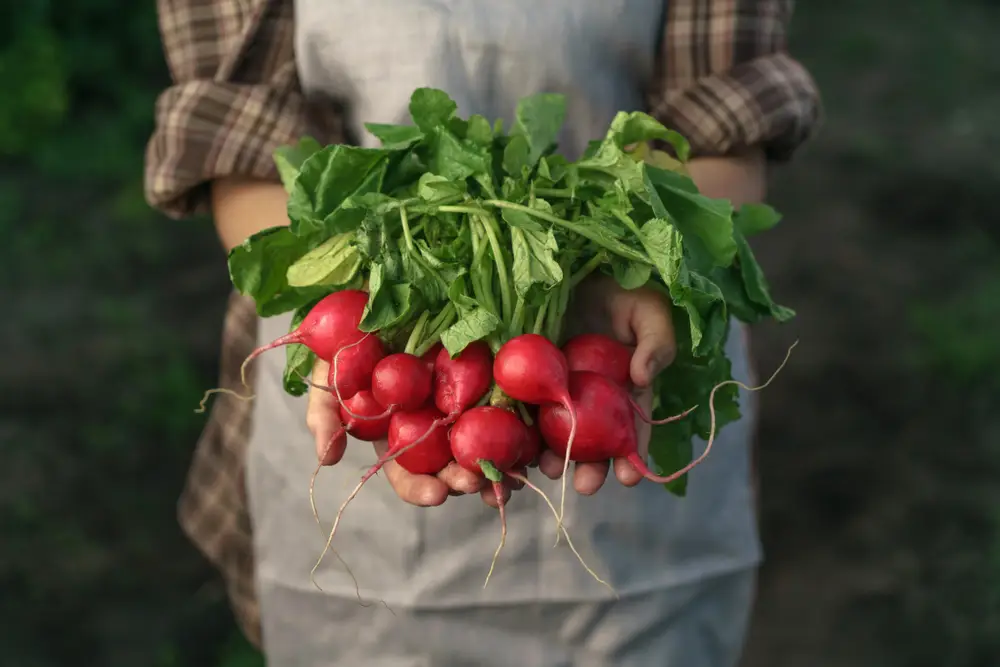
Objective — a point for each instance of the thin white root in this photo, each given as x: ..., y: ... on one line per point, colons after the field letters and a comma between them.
x: 711, y: 411
x: 203, y: 404
x: 569, y: 541
x: 560, y: 517
x: 498, y: 490
x: 368, y: 475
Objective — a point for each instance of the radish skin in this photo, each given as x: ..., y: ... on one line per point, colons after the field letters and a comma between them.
x: 531, y: 369
x: 402, y: 382
x: 532, y: 448
x: 606, y: 356
x: 355, y: 364
x: 459, y: 383
x: 329, y: 326
x: 433, y: 455
x: 402, y: 447
x: 488, y: 441
x: 607, y: 429
x: 600, y: 354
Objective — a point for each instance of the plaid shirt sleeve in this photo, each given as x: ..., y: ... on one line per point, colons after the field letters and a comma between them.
x: 727, y: 82
x: 235, y: 98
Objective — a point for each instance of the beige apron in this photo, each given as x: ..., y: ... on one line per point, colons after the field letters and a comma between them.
x: 684, y: 567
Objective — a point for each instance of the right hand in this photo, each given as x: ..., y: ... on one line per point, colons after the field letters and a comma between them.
x: 323, y: 420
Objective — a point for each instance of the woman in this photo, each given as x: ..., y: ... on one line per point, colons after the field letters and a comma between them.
x: 252, y: 75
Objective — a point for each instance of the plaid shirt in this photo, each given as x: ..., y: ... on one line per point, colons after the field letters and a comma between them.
x: 725, y: 82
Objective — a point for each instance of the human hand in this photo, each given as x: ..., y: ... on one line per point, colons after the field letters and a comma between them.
x: 640, y: 318
x: 323, y: 421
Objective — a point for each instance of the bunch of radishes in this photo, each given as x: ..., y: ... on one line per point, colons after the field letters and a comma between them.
x: 476, y: 408
x: 471, y: 241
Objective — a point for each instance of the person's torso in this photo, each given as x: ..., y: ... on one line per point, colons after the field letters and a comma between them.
x: 372, y: 54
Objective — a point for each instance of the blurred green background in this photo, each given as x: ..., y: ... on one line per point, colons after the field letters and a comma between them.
x: 880, y: 445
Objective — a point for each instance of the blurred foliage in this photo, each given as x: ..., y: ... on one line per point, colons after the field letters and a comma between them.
x: 881, y: 444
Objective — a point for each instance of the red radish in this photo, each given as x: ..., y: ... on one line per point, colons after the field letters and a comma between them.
x: 531, y: 369
x: 489, y: 435
x: 609, y: 428
x: 352, y: 367
x: 330, y: 325
x: 488, y: 441
x: 433, y: 455
x: 407, y: 438
x: 375, y: 427
x: 601, y: 354
x: 605, y: 426
x: 532, y: 448
x: 459, y: 383
x: 402, y: 382
x: 431, y: 355
x: 361, y: 416
x: 608, y: 357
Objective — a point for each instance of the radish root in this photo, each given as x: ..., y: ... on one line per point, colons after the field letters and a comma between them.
x: 202, y: 405
x: 640, y: 465
x: 659, y: 422
x: 368, y: 475
x: 569, y: 541
x: 322, y: 387
x: 565, y: 473
x: 499, y: 492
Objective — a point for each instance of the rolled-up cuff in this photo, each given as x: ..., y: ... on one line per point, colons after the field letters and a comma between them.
x: 771, y: 102
x: 206, y: 130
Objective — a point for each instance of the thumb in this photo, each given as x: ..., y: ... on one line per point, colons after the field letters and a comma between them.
x: 655, y: 346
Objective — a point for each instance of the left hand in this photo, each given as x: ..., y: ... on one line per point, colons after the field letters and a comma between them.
x: 641, y: 318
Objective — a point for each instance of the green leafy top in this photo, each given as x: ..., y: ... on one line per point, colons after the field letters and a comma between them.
x: 464, y: 232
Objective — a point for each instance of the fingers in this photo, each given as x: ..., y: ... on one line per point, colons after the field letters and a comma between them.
x: 626, y: 473
x: 419, y: 490
x: 588, y: 478
x: 323, y: 419
x: 550, y: 464
x: 643, y: 431
x: 459, y: 480
x: 490, y: 498
x: 642, y: 317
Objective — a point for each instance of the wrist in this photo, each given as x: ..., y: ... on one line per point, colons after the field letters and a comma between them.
x: 740, y: 178
x: 242, y: 207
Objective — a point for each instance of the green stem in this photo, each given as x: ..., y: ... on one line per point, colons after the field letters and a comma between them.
x: 415, y: 252
x: 564, y: 295
x: 498, y: 399
x: 406, y: 228
x: 525, y: 417
x: 557, y: 309
x: 471, y: 210
x: 506, y: 301
x: 418, y: 330
x: 619, y: 249
x: 587, y: 269
x: 440, y: 324
x: 517, y: 323
x: 482, y: 280
x: 555, y: 192
x: 490, y: 471
x: 540, y: 316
